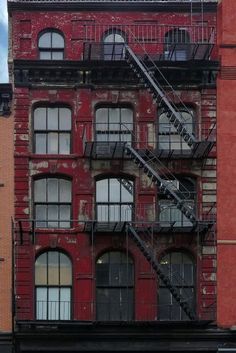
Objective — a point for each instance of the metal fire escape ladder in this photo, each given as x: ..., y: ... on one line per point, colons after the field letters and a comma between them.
x: 172, y: 114
x: 162, y: 183
x: 150, y: 256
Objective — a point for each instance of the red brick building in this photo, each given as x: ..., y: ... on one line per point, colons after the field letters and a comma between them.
x: 115, y: 175
x: 226, y: 311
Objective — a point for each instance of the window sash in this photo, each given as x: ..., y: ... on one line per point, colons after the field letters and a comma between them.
x: 53, y: 303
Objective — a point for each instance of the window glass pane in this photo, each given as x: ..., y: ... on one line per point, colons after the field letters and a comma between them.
x: 65, y: 190
x: 53, y: 268
x: 53, y: 303
x: 45, y: 55
x: 126, y: 213
x: 118, y: 38
x: 41, y: 215
x: 102, y: 190
x: 126, y: 119
x: 102, y: 119
x: 57, y: 55
x: 53, y: 143
x: 126, y: 190
x: 41, y: 270
x: 53, y: 190
x: 40, y: 119
x: 102, y: 213
x: 64, y: 216
x: 40, y: 194
x: 114, y: 119
x: 45, y: 40
x: 52, y: 118
x: 40, y: 143
x: 65, y: 270
x: 41, y: 303
x: 65, y: 304
x: 64, y: 119
x: 53, y: 216
x: 102, y: 274
x: 57, y: 40
x: 102, y: 307
x: 115, y: 189
x: 64, y: 143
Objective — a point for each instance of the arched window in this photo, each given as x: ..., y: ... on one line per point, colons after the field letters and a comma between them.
x: 53, y: 283
x: 169, y: 213
x: 168, y: 136
x: 52, y: 202
x: 114, y: 287
x: 114, y: 199
x: 176, y: 45
x: 113, y: 45
x: 179, y: 267
x: 114, y: 124
x: 51, y: 45
x: 52, y: 130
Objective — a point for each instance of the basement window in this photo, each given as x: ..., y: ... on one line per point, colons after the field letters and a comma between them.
x: 51, y: 45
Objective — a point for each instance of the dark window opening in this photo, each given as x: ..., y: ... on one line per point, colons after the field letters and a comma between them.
x: 114, y: 287
x: 179, y: 267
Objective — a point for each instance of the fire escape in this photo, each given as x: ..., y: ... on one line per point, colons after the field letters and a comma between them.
x: 139, y: 57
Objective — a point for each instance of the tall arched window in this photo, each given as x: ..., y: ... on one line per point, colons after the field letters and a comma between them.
x: 53, y: 283
x: 114, y: 124
x: 168, y: 137
x: 179, y: 267
x: 52, y: 202
x: 169, y: 213
x: 52, y: 130
x: 114, y: 199
x: 177, y: 45
x: 51, y: 45
x: 114, y: 287
x: 113, y: 45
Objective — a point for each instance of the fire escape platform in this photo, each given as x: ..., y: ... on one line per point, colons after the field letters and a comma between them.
x: 116, y: 150
x: 191, y: 51
x: 151, y: 227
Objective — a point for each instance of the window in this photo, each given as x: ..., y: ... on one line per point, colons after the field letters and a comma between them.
x: 177, y: 45
x: 114, y: 287
x: 114, y: 124
x: 52, y: 203
x: 53, y: 282
x: 52, y: 130
x: 169, y: 138
x: 114, y: 199
x: 179, y: 267
x: 51, y: 45
x: 168, y: 211
x: 113, y: 45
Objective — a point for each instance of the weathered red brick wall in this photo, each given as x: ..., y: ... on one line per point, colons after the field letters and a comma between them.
x: 26, y: 26
x: 226, y: 191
